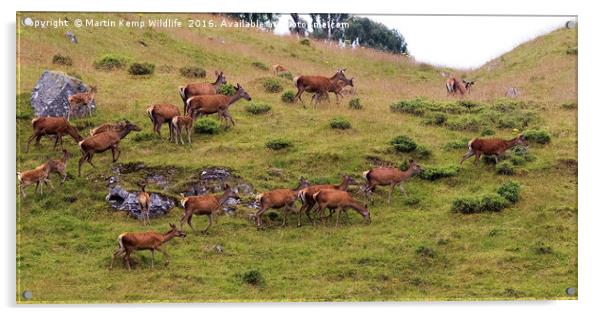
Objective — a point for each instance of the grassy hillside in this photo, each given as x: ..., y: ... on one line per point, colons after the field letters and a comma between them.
x: 415, y: 249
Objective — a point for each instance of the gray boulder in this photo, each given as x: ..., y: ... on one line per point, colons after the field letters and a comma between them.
x: 50, y: 96
x: 123, y: 200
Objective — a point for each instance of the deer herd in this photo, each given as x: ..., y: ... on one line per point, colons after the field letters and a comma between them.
x: 205, y: 99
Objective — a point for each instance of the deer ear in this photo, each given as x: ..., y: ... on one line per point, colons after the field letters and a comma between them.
x: 411, y: 160
x: 226, y: 186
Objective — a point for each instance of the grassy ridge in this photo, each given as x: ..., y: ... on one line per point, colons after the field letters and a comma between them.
x: 66, y: 237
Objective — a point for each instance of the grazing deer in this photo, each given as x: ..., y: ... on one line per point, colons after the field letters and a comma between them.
x: 491, y: 146
x: 130, y: 242
x: 207, y: 204
x: 278, y: 69
x: 202, y: 88
x: 306, y: 196
x: 317, y: 84
x: 210, y: 104
x: 144, y: 201
x: 279, y: 198
x: 57, y: 126
x: 160, y: 114
x: 337, y: 89
x: 389, y: 176
x: 39, y: 175
x: 116, y: 127
x: 59, y: 166
x: 81, y: 99
x: 339, y: 201
x: 453, y: 86
x: 102, y: 142
x: 183, y: 122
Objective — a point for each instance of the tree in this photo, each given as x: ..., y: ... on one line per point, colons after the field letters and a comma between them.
x: 299, y: 27
x: 375, y: 35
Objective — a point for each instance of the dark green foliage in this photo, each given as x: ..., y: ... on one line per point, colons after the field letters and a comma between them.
x: 504, y: 167
x: 403, y: 143
x: 286, y: 75
x: 571, y: 51
x: 288, y: 96
x: 487, y: 132
x: 305, y: 42
x: 143, y: 136
x: 340, y: 123
x: 468, y: 104
x: 59, y: 59
x: 542, y: 248
x: 272, y: 85
x: 426, y: 252
x: 278, y: 144
x: 417, y: 106
x: 111, y: 62
x: 141, y: 69
x: 404, y: 165
x: 485, y: 203
x: 457, y: 144
x: 434, y: 173
x: 253, y: 277
x: 539, y: 136
x: 423, y: 152
x: 411, y: 201
x: 206, y: 125
x: 376, y: 35
x: 510, y: 190
x: 436, y: 119
x: 227, y: 89
x: 355, y: 104
x: 257, y: 108
x: 260, y: 65
x: 469, y: 123
x: 193, y: 72
x: 569, y: 105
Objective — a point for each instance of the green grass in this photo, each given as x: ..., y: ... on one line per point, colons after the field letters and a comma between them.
x: 415, y: 248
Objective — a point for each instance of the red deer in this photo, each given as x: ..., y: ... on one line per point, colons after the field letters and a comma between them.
x: 453, y: 85
x: 181, y: 123
x: 81, y: 99
x: 102, y: 142
x: 130, y: 242
x: 337, y: 88
x: 39, y: 175
x: 160, y: 114
x: 317, y: 84
x: 389, y: 176
x: 210, y: 104
x: 116, y: 127
x: 279, y: 198
x: 57, y: 126
x: 144, y: 201
x: 60, y: 165
x: 278, y: 69
x: 208, y: 204
x: 341, y: 201
x: 491, y: 146
x: 306, y: 195
x: 202, y: 88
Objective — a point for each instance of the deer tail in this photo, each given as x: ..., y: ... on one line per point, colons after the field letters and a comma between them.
x: 295, y: 80
x: 301, y: 195
x: 149, y: 111
x: 470, y: 143
x: 366, y: 174
x: 182, y: 90
x: 183, y: 202
x: 120, y: 239
x: 258, y: 197
x: 315, y: 196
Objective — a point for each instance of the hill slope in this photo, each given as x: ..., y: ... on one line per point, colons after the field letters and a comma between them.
x: 416, y: 248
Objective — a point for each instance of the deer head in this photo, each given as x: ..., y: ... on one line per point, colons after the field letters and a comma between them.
x: 176, y: 231
x: 413, y: 167
x: 131, y: 127
x: 221, y: 78
x: 241, y: 92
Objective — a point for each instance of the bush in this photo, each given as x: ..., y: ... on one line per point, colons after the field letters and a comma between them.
x: 59, y: 59
x: 286, y: 75
x: 468, y: 104
x: 272, y: 85
x: 257, y: 108
x: 465, y: 123
x: 340, y: 123
x: 111, y: 62
x: 539, y: 136
x: 305, y: 42
x: 206, y: 125
x: 260, y: 65
x: 355, y: 104
x: 492, y: 203
x: 569, y: 105
x: 510, y: 190
x: 143, y: 136
x: 571, y: 51
x: 434, y: 173
x: 141, y: 69
x: 193, y: 72
x: 425, y: 252
x: 417, y: 106
x: 457, y: 144
x: 252, y: 277
x: 423, y: 152
x: 473, y: 205
x: 505, y: 167
x: 436, y: 119
x: 403, y: 144
x: 227, y: 89
x: 487, y: 132
x: 278, y: 144
x: 288, y: 96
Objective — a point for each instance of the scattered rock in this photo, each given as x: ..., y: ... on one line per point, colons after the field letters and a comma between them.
x: 72, y: 38
x: 512, y: 92
x: 219, y: 248
x: 50, y: 96
x: 123, y: 200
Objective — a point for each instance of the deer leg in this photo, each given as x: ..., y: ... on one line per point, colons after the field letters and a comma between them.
x: 318, y: 211
x: 29, y: 140
x: 477, y: 158
x: 299, y: 215
x: 287, y: 209
x: 390, y: 193
x: 338, y: 211
x: 79, y: 165
x: 120, y: 251
x: 258, y: 215
x: 56, y: 141
x: 116, y: 148
x: 152, y: 258
x: 22, y: 191
x: 165, y: 254
x: 127, y: 259
x: 402, y: 190
x: 64, y: 175
x: 210, y: 216
x: 47, y: 182
x: 497, y: 158
x: 469, y: 154
x: 189, y: 131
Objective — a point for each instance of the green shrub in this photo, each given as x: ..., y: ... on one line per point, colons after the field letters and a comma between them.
x: 423, y: 152
x: 569, y: 105
x: 417, y: 106
x: 193, y: 72
x: 542, y: 248
x: 510, y: 190
x: 272, y: 85
x: 539, y: 136
x: 465, y: 123
x: 571, y: 51
x: 143, y: 136
x: 457, y: 144
x: 206, y: 125
x: 59, y: 59
x: 425, y: 252
x: 403, y: 143
x: 434, y: 173
x: 24, y: 111
x: 505, y: 167
x: 492, y: 203
x: 507, y: 105
x: 355, y: 104
x: 111, y: 62
x: 260, y: 65
x: 468, y: 104
x: 473, y: 205
x: 141, y: 69
x: 487, y: 132
x: 257, y: 108
x: 253, y: 277
x: 286, y: 75
x: 523, y: 152
x: 305, y: 42
x: 436, y: 119
x: 288, y: 96
x: 278, y: 144
x: 404, y: 165
x: 227, y: 89
x: 340, y: 123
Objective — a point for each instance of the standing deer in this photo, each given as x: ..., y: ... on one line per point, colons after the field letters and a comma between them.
x: 279, y: 198
x: 317, y: 84
x: 453, y: 86
x: 337, y: 88
x: 81, y: 99
x: 39, y: 175
x: 491, y: 146
x: 204, y: 88
x: 160, y: 114
x: 102, y: 142
x: 277, y: 68
x: 339, y: 201
x: 389, y: 176
x: 183, y: 123
x: 116, y: 127
x: 57, y: 126
x: 60, y: 165
x: 144, y: 201
x: 306, y: 196
x: 207, y: 204
x: 210, y: 104
x: 130, y: 242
